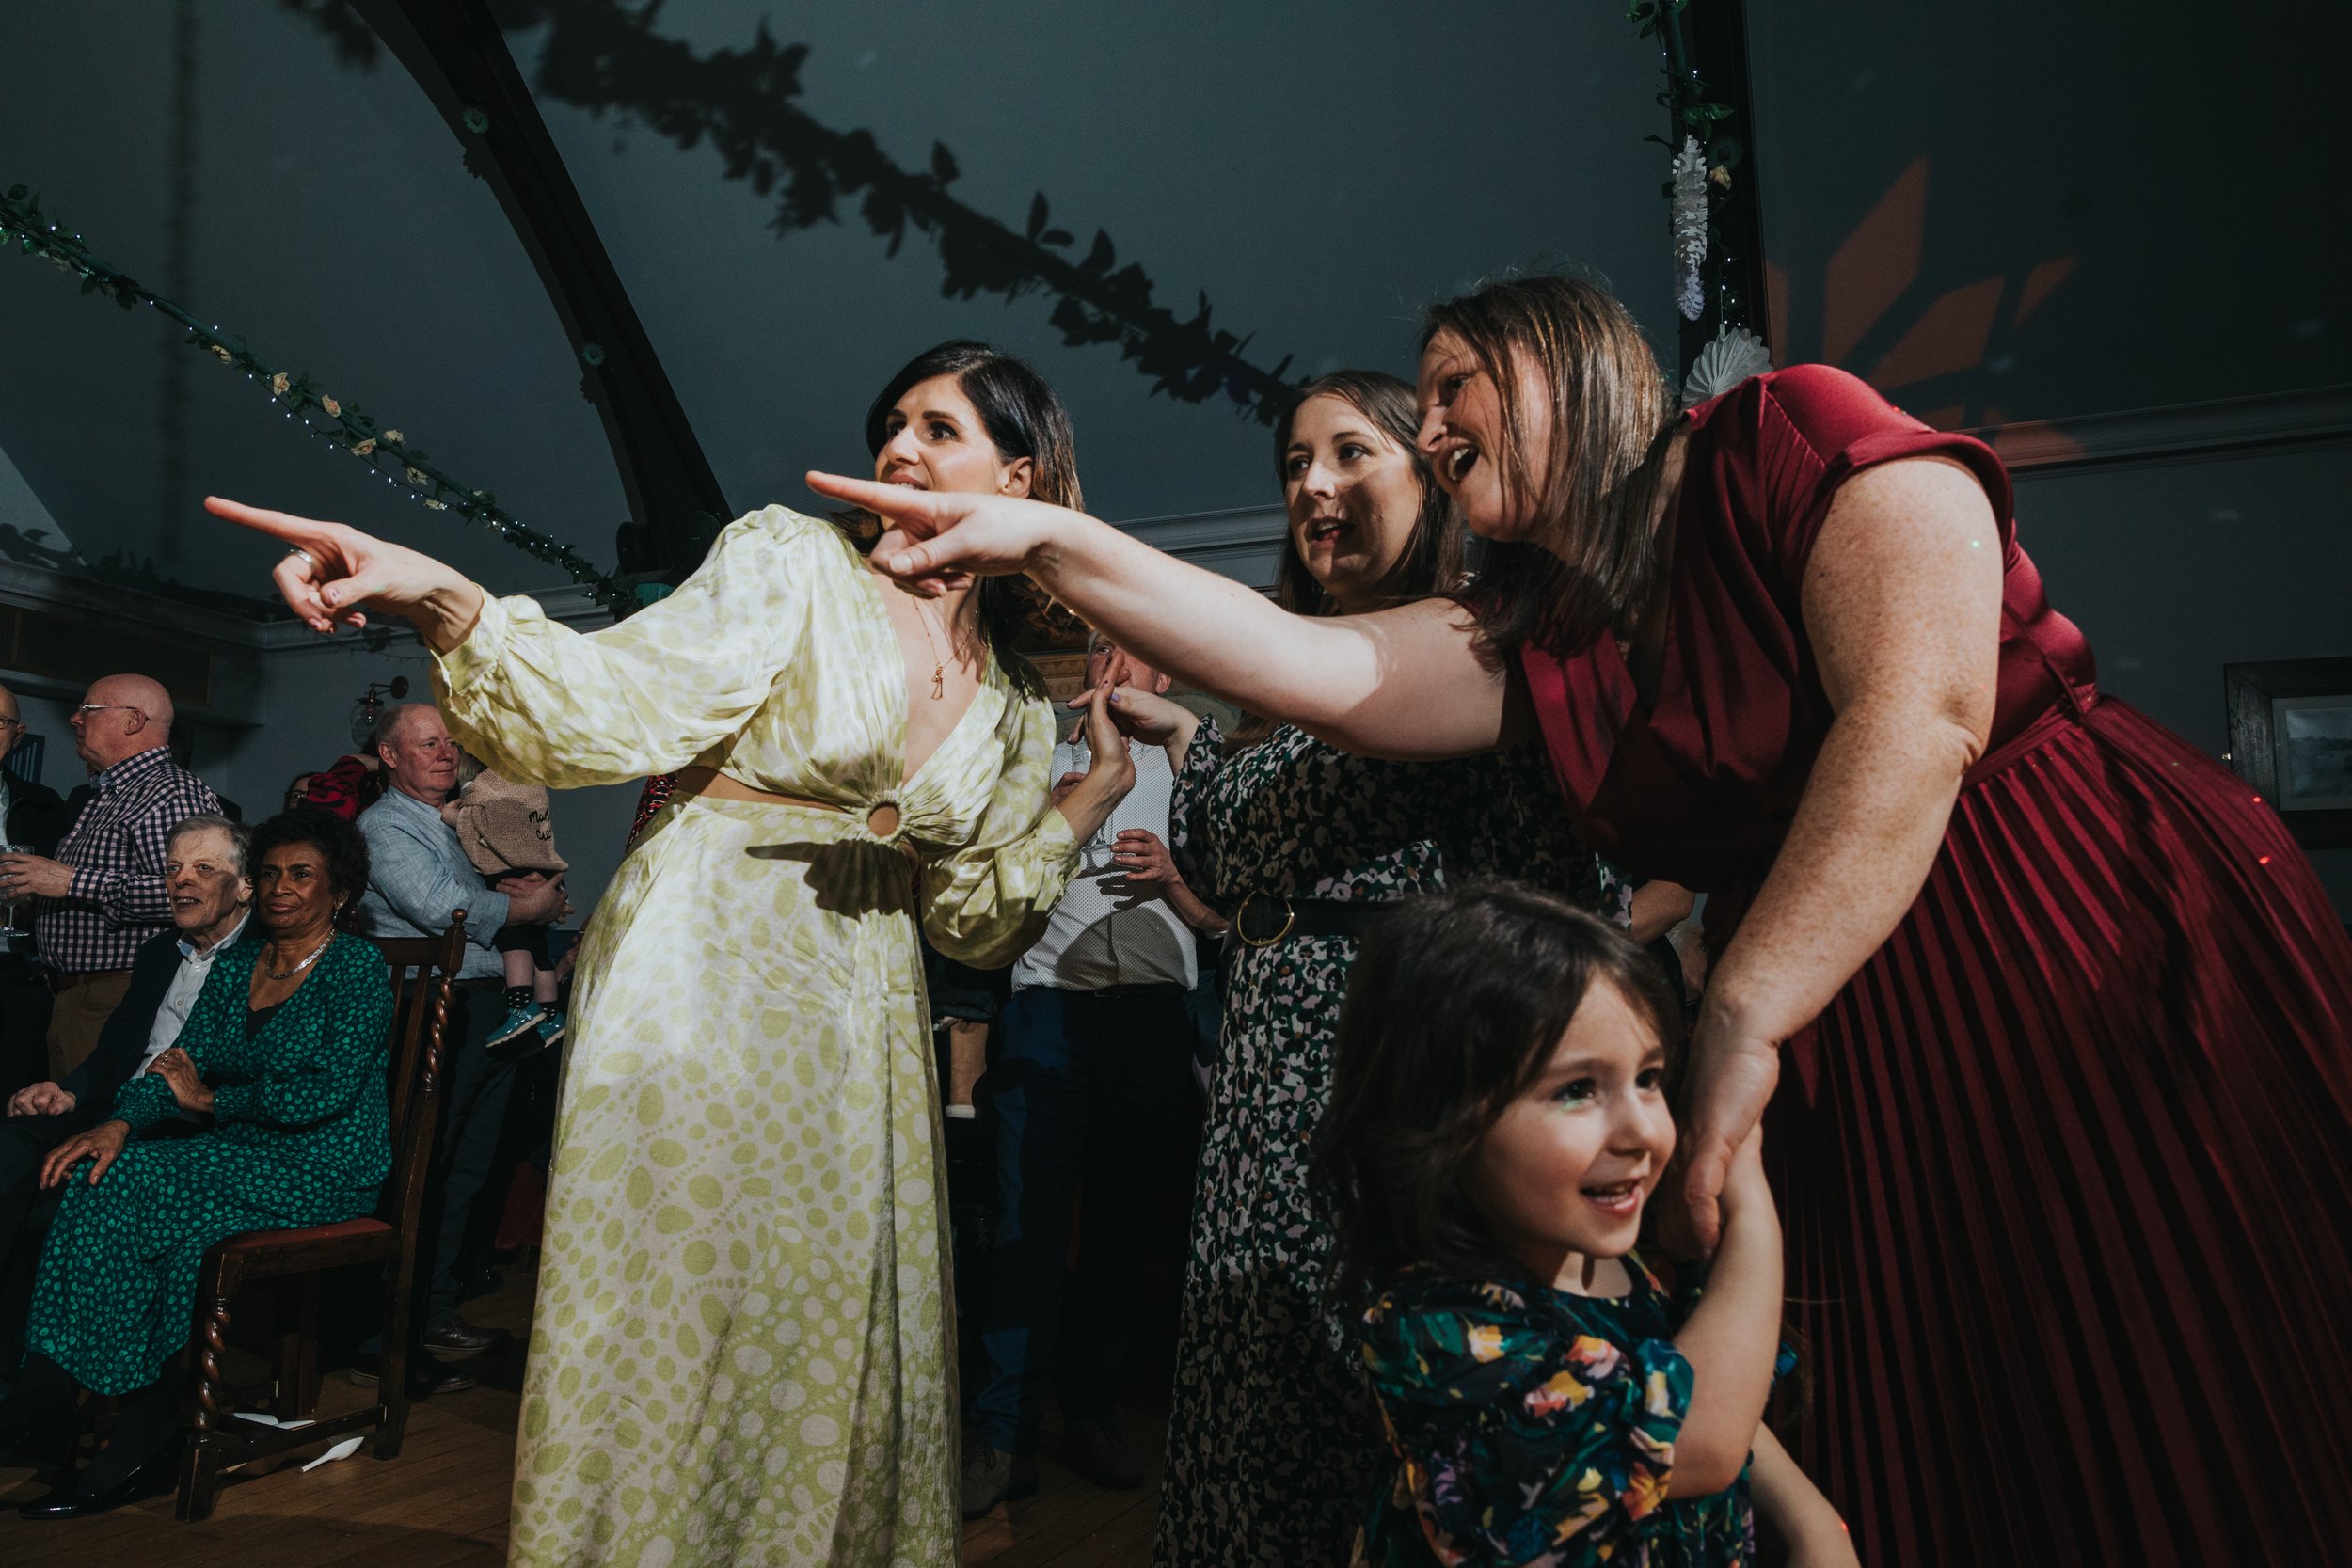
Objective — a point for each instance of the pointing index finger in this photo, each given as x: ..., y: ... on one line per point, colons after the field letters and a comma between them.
x: 280, y: 525
x: 898, y: 501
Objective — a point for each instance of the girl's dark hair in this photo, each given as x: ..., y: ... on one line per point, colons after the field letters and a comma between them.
x: 1455, y: 1005
x: 1611, y: 426
x: 1023, y: 418
x: 339, y: 843
x: 1432, y: 562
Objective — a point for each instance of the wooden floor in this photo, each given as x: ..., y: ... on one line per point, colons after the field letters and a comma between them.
x: 443, y: 1502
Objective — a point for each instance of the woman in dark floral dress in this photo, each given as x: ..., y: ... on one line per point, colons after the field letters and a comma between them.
x: 1275, y: 1441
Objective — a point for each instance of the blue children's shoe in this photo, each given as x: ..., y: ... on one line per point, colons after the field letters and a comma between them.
x: 519, y: 1022
x: 552, y: 1027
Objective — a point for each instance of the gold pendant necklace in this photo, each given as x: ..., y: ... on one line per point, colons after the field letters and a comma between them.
x: 939, y: 660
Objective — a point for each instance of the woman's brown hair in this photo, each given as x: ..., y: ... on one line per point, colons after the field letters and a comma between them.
x: 1022, y: 417
x: 1432, y: 560
x: 1454, y: 1004
x: 1612, y: 425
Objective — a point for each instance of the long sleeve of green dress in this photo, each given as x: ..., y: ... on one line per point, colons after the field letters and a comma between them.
x: 987, y: 903
x: 300, y: 1137
x: 541, y: 703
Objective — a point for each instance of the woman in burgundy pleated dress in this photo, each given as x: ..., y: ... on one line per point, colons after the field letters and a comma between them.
x: 2052, y: 1020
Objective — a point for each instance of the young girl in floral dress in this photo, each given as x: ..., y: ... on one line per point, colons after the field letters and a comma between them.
x: 1498, y: 1122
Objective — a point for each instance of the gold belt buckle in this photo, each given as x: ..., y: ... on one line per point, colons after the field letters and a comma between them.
x: 1289, y: 918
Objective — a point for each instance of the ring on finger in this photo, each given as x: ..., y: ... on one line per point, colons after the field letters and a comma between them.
x: 307, y: 559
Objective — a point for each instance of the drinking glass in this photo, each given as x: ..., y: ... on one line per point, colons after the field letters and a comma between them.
x: 14, y: 900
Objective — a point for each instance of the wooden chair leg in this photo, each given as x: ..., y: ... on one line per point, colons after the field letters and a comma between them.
x: 285, y: 1391
x: 295, y: 1396
x: 199, y: 1484
x: 200, y: 1466
x: 393, y: 1429
x: 391, y: 1381
x: 307, y: 1371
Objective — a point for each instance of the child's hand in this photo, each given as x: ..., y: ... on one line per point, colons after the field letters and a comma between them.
x: 449, y: 812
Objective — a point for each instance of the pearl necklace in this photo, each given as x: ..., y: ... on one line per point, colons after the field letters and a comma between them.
x: 290, y: 974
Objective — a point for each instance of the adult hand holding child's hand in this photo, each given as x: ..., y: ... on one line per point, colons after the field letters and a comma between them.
x: 1732, y: 1075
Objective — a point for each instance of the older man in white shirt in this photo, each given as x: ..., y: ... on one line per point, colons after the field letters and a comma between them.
x: 210, y: 894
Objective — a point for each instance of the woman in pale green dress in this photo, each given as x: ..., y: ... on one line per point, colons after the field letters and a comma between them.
x: 741, y: 1348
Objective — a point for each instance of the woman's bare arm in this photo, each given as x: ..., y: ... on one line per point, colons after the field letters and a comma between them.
x: 1902, y: 602
x: 1659, y: 907
x: 1403, y: 683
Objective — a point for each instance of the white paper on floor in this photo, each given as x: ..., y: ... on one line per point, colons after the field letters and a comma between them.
x: 343, y: 1449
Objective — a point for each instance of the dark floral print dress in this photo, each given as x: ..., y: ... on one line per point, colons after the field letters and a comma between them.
x: 1274, y: 1443
x: 301, y: 1136
x: 1536, y: 1427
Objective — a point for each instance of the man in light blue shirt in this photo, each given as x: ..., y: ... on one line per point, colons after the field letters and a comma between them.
x: 418, y: 876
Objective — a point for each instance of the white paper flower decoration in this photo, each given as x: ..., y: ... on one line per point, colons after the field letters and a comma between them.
x: 1736, y: 355
x: 1689, y: 228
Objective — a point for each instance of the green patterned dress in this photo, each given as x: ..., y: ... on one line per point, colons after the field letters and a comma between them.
x: 301, y: 1136
x: 1535, y: 1427
x: 1273, y: 1442
x: 741, y: 1348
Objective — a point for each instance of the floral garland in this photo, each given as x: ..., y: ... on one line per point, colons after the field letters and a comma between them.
x: 383, y: 450
x: 1701, y: 170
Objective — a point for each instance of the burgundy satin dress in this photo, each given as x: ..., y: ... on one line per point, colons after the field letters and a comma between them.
x: 2066, y: 1169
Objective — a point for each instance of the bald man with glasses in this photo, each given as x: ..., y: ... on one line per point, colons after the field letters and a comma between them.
x: 103, y: 895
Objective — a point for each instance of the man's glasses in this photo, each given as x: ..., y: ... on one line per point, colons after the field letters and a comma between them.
x: 102, y: 707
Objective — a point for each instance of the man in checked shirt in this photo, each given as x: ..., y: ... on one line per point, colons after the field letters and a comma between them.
x: 104, y: 895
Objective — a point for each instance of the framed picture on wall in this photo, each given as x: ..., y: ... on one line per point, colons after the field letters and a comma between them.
x: 2291, y: 738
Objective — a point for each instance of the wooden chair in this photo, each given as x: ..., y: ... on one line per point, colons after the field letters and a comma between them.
x: 422, y: 969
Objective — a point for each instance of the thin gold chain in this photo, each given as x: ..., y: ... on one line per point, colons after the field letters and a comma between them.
x: 939, y: 660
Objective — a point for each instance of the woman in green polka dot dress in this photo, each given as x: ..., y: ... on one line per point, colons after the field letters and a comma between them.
x: 740, y: 1353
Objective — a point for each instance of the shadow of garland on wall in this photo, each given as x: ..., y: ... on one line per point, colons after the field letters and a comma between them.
x: 605, y: 58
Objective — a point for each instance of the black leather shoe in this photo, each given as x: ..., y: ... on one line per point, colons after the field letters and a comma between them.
x: 459, y: 1337
x: 428, y: 1375
x: 151, y: 1479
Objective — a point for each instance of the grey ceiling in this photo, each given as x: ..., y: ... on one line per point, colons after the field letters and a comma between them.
x: 1317, y: 171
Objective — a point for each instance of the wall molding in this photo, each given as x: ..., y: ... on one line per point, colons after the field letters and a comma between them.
x: 2314, y: 417
x: 572, y: 603
x: 237, y: 648
x: 1246, y: 543
x: 1242, y: 543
